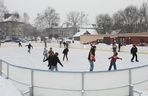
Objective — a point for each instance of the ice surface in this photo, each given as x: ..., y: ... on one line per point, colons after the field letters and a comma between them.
x: 78, y: 61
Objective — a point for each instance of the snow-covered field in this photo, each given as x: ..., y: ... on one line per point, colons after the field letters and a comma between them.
x: 78, y: 54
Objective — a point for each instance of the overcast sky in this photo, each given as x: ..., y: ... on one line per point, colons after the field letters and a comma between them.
x: 63, y: 7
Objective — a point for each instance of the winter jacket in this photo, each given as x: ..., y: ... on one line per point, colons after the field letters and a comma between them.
x: 65, y: 51
x: 91, y: 52
x: 113, y: 58
x: 50, y: 60
x: 134, y: 50
x: 55, y: 61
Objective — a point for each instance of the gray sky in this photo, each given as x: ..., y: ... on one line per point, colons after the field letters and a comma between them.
x: 63, y: 7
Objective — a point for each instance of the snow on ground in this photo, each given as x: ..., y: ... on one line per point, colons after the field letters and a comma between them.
x: 7, y: 88
x: 78, y: 54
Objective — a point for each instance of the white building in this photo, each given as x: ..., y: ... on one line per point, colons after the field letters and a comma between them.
x: 86, y: 29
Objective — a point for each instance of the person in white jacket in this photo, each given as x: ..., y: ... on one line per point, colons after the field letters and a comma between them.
x: 45, y: 53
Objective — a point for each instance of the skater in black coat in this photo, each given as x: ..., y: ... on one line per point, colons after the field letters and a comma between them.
x: 65, y: 52
x: 134, y: 51
x: 91, y: 57
x: 29, y: 47
x: 55, y: 61
x: 49, y: 59
x: 20, y: 44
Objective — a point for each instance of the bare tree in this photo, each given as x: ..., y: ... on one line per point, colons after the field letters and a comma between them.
x: 48, y: 19
x: 25, y: 17
x: 118, y: 20
x: 126, y: 19
x: 104, y: 23
x: 51, y: 17
x: 76, y: 19
x: 143, y: 17
x: 131, y: 17
x: 3, y: 10
x: 39, y: 22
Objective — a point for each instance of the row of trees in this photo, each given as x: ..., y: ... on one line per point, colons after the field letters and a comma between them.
x: 49, y: 19
x: 131, y: 19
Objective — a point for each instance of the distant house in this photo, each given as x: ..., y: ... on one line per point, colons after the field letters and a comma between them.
x: 87, y: 30
x: 125, y: 38
x: 11, y: 26
x: 130, y: 38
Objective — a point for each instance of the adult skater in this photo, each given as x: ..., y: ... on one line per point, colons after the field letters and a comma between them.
x: 119, y: 47
x: 20, y: 44
x: 29, y: 47
x: 45, y: 53
x: 55, y: 61
x: 134, y: 51
x: 65, y: 53
x: 50, y: 59
x: 0, y: 43
x: 60, y: 44
x: 50, y: 51
x: 64, y: 44
x: 114, y: 47
x: 91, y: 57
x: 113, y: 61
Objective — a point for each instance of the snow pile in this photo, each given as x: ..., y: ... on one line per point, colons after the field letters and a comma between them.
x: 7, y: 88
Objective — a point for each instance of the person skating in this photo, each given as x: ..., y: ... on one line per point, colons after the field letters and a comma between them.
x: 50, y: 51
x: 114, y: 47
x: 91, y: 57
x: 60, y: 44
x: 29, y: 47
x: 45, y: 54
x: 65, y: 53
x: 134, y: 51
x: 113, y: 61
x: 0, y: 43
x: 20, y: 44
x: 119, y: 47
x: 55, y: 61
x: 50, y: 59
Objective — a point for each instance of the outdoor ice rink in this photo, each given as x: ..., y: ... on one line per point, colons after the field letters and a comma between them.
x: 77, y: 62
x: 78, y: 54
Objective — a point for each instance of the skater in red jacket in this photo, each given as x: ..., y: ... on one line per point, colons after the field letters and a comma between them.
x: 113, y: 61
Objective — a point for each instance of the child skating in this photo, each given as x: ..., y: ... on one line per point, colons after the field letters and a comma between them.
x: 113, y: 61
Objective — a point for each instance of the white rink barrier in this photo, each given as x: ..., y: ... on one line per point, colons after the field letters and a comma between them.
x: 34, y: 82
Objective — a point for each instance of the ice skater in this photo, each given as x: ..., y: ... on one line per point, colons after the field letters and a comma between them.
x: 60, y: 44
x: 29, y: 47
x: 113, y: 61
x: 119, y: 46
x: 20, y: 44
x: 55, y: 61
x: 65, y: 53
x: 50, y: 59
x: 91, y: 57
x: 50, y: 51
x: 0, y: 43
x: 134, y: 51
x: 45, y: 53
x: 114, y: 47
